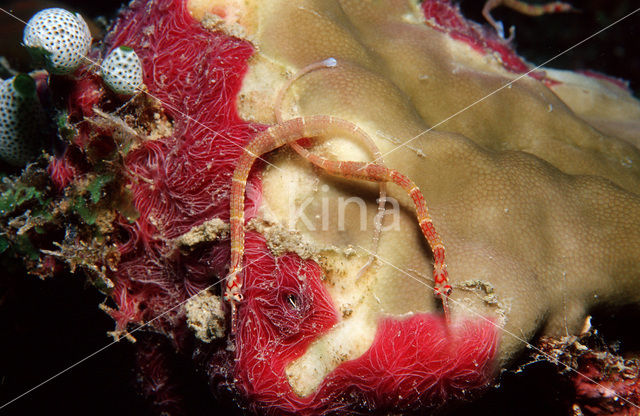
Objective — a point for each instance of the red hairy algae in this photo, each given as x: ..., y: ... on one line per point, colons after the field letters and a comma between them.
x: 183, y: 180
x: 412, y: 363
x: 445, y: 16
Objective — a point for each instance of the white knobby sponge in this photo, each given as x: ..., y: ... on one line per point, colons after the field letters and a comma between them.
x: 59, y: 38
x: 22, y: 120
x: 122, y: 71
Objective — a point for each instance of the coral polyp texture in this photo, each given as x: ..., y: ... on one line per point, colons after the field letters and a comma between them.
x: 22, y: 120
x: 533, y: 187
x: 59, y: 38
x: 121, y: 71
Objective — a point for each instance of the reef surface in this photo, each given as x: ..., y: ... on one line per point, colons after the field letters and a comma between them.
x: 532, y: 182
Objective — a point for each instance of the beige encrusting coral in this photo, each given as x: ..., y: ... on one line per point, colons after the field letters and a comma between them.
x: 534, y: 190
x: 208, y: 231
x: 205, y: 316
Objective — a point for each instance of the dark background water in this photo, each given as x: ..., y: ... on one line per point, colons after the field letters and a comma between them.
x: 615, y: 51
x: 46, y: 326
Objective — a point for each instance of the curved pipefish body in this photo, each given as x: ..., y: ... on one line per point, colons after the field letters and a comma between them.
x: 327, y: 126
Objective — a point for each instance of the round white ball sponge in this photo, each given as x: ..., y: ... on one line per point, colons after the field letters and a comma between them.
x: 22, y: 120
x: 122, y: 71
x: 58, y: 37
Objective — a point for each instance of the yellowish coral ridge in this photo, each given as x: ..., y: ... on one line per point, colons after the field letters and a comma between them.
x: 533, y: 188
